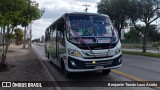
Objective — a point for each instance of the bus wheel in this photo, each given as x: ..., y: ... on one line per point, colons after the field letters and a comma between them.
x: 106, y: 72
x: 67, y: 73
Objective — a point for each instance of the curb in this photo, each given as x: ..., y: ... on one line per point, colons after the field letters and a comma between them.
x: 57, y: 87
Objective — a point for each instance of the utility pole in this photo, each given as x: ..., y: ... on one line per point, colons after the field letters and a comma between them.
x: 30, y: 39
x: 32, y: 3
x: 86, y: 7
x: 30, y: 30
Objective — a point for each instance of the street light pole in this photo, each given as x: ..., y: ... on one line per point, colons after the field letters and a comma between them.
x: 29, y: 17
x: 33, y: 3
x: 29, y: 40
x: 86, y: 7
x: 30, y: 34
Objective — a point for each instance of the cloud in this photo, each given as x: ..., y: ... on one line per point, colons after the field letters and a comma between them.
x: 39, y: 26
x: 56, y: 8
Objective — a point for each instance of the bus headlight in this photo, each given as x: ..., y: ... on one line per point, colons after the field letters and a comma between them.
x: 73, y: 63
x: 117, y: 51
x: 74, y: 53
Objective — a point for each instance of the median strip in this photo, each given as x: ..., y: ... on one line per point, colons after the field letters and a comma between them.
x: 141, y: 53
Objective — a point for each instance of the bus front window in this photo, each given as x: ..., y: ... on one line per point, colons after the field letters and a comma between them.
x: 82, y: 28
x: 89, y: 26
x: 102, y: 26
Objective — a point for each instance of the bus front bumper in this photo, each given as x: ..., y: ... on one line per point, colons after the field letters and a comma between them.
x: 76, y: 65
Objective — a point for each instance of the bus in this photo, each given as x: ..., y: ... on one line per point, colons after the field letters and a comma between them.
x: 82, y: 42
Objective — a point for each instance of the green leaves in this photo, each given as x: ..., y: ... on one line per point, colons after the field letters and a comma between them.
x: 16, y: 12
x: 13, y: 13
x: 9, y: 35
x: 116, y: 10
x: 18, y: 35
x: 146, y: 11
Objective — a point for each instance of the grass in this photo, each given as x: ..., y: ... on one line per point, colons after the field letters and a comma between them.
x: 141, y: 53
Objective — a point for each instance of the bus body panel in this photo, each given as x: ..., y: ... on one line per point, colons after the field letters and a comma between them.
x: 108, y: 63
x: 58, y: 46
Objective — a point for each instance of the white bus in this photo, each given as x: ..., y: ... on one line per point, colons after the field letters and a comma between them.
x: 80, y: 42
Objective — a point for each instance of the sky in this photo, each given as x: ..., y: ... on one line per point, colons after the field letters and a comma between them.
x: 56, y: 8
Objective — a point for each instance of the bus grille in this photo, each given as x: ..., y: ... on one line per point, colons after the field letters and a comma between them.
x: 97, y: 57
x: 99, y: 63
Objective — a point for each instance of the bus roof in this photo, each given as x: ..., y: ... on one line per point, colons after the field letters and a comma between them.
x: 86, y: 13
x: 76, y: 13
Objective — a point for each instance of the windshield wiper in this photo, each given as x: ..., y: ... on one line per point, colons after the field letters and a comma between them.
x: 83, y: 42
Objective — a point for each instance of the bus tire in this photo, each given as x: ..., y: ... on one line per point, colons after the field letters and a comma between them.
x: 106, y: 72
x: 50, y: 62
x: 67, y: 73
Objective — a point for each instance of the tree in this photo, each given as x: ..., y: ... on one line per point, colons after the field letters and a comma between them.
x: 18, y: 36
x: 116, y: 10
x: 12, y: 13
x: 135, y: 35
x: 30, y: 12
x: 153, y: 34
x: 9, y: 17
x: 146, y: 11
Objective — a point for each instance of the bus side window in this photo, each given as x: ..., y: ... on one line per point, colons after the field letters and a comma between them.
x: 54, y: 35
x: 62, y: 41
x: 60, y: 37
x: 49, y: 35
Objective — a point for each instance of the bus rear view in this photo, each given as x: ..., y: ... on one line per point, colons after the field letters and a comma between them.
x: 91, y: 44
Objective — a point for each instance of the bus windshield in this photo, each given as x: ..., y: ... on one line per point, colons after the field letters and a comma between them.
x: 89, y: 26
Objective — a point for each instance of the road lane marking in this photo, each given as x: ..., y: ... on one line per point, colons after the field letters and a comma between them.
x: 128, y: 75
x: 131, y: 77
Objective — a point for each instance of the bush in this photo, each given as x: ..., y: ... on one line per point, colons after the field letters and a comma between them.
x: 156, y: 44
x: 141, y: 53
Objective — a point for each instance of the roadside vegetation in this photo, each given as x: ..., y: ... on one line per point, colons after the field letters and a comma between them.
x: 141, y: 53
x: 130, y: 13
x: 18, y: 36
x: 134, y: 38
x: 12, y: 14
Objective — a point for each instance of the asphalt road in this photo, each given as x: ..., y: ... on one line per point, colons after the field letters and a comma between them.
x: 134, y: 68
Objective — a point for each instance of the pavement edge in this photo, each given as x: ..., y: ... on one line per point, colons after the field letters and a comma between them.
x: 57, y: 87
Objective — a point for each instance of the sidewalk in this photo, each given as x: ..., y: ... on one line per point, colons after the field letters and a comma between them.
x: 140, y: 50
x: 26, y: 67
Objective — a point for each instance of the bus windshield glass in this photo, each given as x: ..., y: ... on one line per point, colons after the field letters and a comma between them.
x: 89, y: 26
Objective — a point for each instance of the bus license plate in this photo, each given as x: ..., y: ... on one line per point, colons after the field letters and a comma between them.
x: 99, y: 67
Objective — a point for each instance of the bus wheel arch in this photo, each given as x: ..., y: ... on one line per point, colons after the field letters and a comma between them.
x: 63, y: 68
